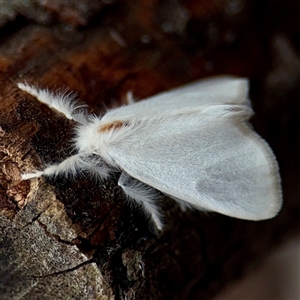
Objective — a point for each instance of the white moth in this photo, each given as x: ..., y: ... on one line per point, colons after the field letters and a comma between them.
x: 192, y: 143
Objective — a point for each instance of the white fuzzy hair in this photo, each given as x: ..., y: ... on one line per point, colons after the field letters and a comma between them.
x: 192, y: 143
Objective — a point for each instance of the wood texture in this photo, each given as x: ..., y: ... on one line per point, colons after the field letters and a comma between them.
x: 79, y: 239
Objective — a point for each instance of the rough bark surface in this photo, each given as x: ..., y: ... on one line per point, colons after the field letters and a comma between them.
x: 79, y: 239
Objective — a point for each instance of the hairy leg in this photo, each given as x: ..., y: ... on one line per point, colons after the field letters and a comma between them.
x: 143, y: 195
x: 64, y: 103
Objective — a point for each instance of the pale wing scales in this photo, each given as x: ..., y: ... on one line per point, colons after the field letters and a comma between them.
x: 220, y: 164
x: 205, y: 92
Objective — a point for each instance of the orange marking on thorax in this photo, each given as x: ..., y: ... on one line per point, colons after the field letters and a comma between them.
x: 110, y: 126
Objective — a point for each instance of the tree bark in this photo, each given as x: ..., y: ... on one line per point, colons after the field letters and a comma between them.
x: 76, y: 238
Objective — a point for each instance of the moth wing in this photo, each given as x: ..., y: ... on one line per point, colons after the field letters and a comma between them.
x: 213, y: 161
x: 206, y: 92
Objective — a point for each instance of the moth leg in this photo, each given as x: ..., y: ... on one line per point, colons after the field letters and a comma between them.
x: 71, y: 166
x: 130, y: 98
x: 143, y: 195
x: 63, y: 102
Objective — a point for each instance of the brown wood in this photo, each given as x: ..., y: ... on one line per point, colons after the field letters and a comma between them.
x: 77, y: 238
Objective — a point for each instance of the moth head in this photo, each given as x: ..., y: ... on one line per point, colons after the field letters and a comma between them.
x: 87, y: 136
x: 96, y: 136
